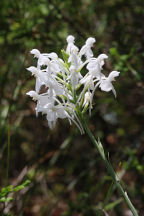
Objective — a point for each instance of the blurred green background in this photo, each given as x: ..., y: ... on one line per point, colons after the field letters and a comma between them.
x: 67, y: 176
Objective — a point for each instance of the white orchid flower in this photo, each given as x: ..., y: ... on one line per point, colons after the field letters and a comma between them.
x: 87, y: 98
x: 36, y: 53
x: 101, y: 59
x: 106, y: 83
x: 55, y: 86
x: 53, y: 113
x: 41, y: 77
x: 42, y: 59
x: 42, y: 103
x: 71, y: 40
x: 95, y: 66
x: 88, y: 81
x: 86, y: 49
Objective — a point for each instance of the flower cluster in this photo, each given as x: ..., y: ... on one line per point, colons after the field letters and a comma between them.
x: 68, y: 92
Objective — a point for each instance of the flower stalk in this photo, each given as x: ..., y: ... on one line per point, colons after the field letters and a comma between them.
x: 110, y: 169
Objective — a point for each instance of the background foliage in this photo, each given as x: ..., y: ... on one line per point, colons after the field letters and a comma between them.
x: 66, y: 173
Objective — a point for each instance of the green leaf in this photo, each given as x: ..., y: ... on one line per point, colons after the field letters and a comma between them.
x: 6, y: 199
x: 65, y: 55
x: 114, y: 52
x: 6, y: 190
x: 113, y: 204
x: 22, y: 186
x: 101, y: 149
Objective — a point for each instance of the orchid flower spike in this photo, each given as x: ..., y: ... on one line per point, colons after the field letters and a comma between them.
x: 67, y: 91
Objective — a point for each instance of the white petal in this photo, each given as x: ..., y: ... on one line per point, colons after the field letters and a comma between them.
x: 53, y: 55
x: 70, y: 39
x: 38, y: 84
x: 54, y: 67
x: 101, y: 59
x: 35, y: 52
x: 86, y: 79
x: 33, y: 70
x: 51, y: 115
x: 92, y: 64
x: 112, y: 75
x: 33, y: 94
x: 61, y: 113
x: 43, y: 60
x: 90, y: 41
x: 102, y: 56
x: 105, y: 85
x: 71, y: 47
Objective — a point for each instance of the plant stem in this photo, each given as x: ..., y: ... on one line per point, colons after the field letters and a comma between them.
x: 109, y: 167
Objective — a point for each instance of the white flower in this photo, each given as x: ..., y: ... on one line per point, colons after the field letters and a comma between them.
x: 33, y: 70
x: 41, y: 77
x: 42, y: 59
x: 52, y: 67
x: 105, y: 83
x: 87, y: 80
x: 36, y: 53
x: 101, y: 58
x: 86, y: 49
x: 55, y: 86
x: 95, y: 66
x: 46, y: 78
x: 87, y: 98
x: 42, y: 102
x: 53, y: 113
x: 71, y: 46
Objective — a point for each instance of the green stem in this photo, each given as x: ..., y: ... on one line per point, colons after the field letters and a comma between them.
x: 110, y: 168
